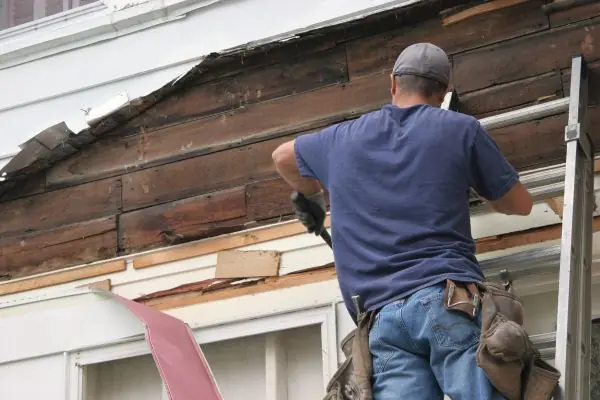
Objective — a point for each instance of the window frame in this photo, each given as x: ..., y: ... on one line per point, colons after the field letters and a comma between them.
x: 322, y: 316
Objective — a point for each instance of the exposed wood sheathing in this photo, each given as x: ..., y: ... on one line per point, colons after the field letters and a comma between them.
x: 197, y: 163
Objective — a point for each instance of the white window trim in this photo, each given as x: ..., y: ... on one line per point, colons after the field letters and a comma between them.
x: 324, y: 317
x: 86, y: 25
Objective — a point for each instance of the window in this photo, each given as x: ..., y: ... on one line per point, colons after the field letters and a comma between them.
x: 17, y: 12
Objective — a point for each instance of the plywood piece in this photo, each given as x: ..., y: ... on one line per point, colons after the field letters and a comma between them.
x: 556, y: 204
x: 214, y: 245
x: 184, y: 220
x: 480, y: 9
x: 105, y: 284
x: 61, y: 277
x: 247, y: 264
x: 526, y: 57
x: 52, y: 209
x: 40, y: 252
x: 378, y: 52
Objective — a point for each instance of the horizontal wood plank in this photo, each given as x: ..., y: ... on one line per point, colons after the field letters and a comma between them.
x: 199, y: 175
x: 60, y: 277
x: 247, y: 264
x: 244, y: 126
x: 248, y: 87
x: 36, y: 184
x: 480, y: 9
x: 574, y: 14
x: 184, y: 220
x: 526, y: 57
x: 52, y: 209
x: 40, y: 252
x: 378, y: 52
x: 520, y: 93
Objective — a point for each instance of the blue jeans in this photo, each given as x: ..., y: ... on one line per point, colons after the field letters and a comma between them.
x: 422, y: 351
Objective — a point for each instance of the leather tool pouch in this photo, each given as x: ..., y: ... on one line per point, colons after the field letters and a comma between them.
x: 352, y: 380
x: 505, y: 352
x: 462, y: 297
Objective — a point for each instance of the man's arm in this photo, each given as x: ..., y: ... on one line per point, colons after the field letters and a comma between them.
x: 284, y: 158
x: 495, y: 179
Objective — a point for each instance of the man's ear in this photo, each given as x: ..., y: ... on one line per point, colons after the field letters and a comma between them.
x: 392, y: 85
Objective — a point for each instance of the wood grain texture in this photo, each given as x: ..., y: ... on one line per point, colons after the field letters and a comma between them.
x: 251, y: 86
x: 574, y: 14
x: 247, y: 264
x: 199, y: 175
x: 526, y: 57
x: 247, y: 125
x: 33, y: 185
x: 184, y: 220
x: 34, y: 253
x: 514, y: 94
x: 52, y: 209
x: 60, y: 277
x: 480, y: 9
x: 378, y: 52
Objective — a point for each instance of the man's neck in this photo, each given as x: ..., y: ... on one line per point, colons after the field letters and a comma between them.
x: 411, y: 100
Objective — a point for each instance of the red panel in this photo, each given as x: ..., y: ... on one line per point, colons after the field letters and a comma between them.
x: 179, y: 359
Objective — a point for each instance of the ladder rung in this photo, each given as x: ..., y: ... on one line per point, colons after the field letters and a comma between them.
x: 524, y: 263
x: 526, y: 114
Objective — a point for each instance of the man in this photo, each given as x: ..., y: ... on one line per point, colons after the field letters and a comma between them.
x: 398, y: 180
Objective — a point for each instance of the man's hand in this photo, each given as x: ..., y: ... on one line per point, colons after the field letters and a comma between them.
x: 311, y: 211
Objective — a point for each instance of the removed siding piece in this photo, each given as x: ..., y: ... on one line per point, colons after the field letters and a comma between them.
x: 40, y: 252
x: 526, y: 57
x: 52, y: 209
x: 184, y: 220
x: 378, y: 52
x: 247, y: 264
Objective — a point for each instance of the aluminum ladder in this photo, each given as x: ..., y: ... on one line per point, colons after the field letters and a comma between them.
x: 575, y: 180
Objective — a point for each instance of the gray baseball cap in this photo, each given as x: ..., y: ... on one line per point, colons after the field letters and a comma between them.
x: 424, y: 59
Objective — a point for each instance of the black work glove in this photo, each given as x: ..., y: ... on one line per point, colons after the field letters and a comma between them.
x: 311, y: 211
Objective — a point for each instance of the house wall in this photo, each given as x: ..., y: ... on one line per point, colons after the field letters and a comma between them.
x: 90, y: 54
x: 198, y: 163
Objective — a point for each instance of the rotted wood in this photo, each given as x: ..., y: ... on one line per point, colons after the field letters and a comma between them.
x: 249, y: 86
x: 200, y: 175
x: 480, y: 9
x: 34, y: 253
x: 515, y: 94
x: 52, y: 209
x: 250, y: 124
x: 378, y: 52
x: 577, y: 13
x: 184, y: 220
x: 526, y: 57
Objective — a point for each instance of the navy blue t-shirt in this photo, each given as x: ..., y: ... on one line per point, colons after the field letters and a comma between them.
x: 398, y: 182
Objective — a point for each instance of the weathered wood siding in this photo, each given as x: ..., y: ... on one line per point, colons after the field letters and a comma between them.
x: 198, y: 163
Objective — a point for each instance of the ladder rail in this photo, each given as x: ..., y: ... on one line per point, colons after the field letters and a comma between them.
x: 573, y: 332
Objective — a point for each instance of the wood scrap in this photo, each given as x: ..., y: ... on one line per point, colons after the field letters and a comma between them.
x: 247, y: 264
x: 480, y: 9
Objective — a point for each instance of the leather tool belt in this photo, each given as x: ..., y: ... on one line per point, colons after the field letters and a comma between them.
x: 505, y: 353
